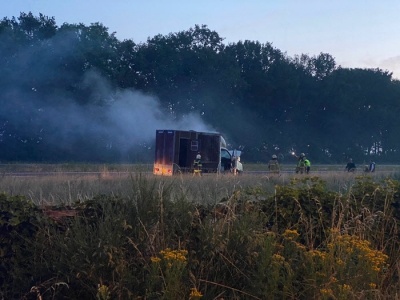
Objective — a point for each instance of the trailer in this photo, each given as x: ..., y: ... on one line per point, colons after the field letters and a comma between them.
x: 176, y: 150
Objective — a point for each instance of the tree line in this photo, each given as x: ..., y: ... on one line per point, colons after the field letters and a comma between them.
x: 262, y: 100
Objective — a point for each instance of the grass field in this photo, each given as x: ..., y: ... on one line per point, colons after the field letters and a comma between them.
x: 327, y: 235
x: 90, y: 167
x: 59, y: 186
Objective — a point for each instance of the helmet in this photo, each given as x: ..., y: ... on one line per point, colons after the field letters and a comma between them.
x: 302, y: 155
x: 274, y: 156
x: 198, y: 156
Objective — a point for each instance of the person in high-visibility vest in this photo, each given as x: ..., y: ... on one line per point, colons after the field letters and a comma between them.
x: 300, y: 168
x: 307, y: 164
x: 273, y: 164
x: 197, y: 165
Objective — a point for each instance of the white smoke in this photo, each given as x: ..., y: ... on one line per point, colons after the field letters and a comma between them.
x: 126, y: 120
x: 136, y: 117
x: 38, y: 106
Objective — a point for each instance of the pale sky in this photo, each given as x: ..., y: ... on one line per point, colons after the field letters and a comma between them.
x: 358, y: 34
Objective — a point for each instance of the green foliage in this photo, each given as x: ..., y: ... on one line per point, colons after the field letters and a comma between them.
x: 300, y: 103
x: 301, y: 241
x: 304, y: 205
x: 20, y: 225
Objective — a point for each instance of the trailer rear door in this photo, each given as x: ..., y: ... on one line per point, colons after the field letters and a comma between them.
x: 164, y: 158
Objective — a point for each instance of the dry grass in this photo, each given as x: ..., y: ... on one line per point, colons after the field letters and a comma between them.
x: 82, y: 167
x: 73, y: 167
x: 295, y: 247
x: 66, y: 188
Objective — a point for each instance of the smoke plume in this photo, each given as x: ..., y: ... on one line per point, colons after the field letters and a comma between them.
x: 40, y: 115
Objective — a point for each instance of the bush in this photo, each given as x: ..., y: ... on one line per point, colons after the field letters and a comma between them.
x: 302, y: 241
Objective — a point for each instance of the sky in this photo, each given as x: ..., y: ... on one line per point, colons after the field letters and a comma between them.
x: 358, y: 34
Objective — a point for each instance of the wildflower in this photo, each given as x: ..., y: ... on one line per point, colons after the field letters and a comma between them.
x: 335, y: 231
x: 375, y: 268
x: 278, y: 257
x: 103, y: 293
x: 300, y: 246
x: 195, y: 294
x: 155, y: 259
x: 326, y: 292
x: 320, y: 274
x: 177, y: 255
x: 346, y: 287
x: 339, y: 261
x: 344, y: 291
x: 318, y: 254
x: 290, y: 234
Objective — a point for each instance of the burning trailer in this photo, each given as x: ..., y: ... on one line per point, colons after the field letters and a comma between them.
x: 176, y: 151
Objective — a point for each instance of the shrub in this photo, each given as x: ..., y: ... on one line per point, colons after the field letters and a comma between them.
x: 301, y: 241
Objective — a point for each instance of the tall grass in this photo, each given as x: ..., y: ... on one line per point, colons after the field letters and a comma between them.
x: 211, y: 237
x: 65, y: 188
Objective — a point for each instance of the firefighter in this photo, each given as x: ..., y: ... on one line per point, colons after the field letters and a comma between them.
x: 197, y: 165
x: 307, y: 165
x: 351, y: 166
x: 302, y: 155
x: 371, y: 167
x: 273, y: 164
x: 300, y: 168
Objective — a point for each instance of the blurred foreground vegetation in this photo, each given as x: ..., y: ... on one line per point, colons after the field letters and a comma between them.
x: 243, y: 237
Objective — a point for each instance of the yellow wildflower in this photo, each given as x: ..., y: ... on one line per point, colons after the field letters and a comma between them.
x: 278, y: 257
x: 327, y: 292
x: 290, y: 234
x: 155, y: 259
x: 372, y: 285
x: 195, y: 294
x: 346, y: 287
